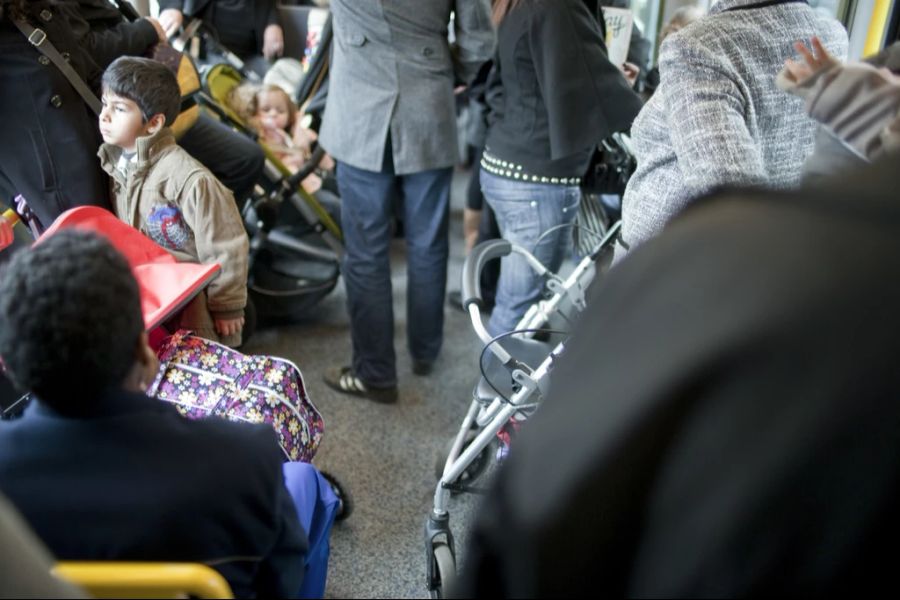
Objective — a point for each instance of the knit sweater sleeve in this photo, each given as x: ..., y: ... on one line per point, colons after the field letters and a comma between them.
x: 210, y: 210
x: 706, y: 114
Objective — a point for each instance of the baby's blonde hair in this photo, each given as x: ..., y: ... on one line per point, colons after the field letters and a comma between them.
x: 244, y: 100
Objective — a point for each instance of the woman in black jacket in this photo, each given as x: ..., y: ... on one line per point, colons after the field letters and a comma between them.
x: 557, y: 96
x: 50, y: 135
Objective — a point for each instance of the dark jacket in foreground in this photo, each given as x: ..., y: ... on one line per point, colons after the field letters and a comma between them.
x: 136, y: 481
x: 50, y: 135
x: 724, y: 422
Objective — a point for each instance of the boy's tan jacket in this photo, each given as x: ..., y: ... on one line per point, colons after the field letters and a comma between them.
x: 177, y: 202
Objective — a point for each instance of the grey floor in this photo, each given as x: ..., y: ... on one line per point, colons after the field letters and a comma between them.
x: 385, y: 454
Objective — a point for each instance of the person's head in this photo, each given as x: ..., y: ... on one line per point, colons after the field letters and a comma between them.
x: 274, y: 108
x: 681, y: 18
x: 71, y: 326
x: 140, y: 97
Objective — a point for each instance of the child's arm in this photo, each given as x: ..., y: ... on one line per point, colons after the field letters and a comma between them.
x: 303, y: 137
x: 211, y: 212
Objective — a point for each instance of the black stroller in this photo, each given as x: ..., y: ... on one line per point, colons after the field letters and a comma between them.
x: 295, y: 237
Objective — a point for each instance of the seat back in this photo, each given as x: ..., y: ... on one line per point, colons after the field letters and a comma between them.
x: 113, y: 579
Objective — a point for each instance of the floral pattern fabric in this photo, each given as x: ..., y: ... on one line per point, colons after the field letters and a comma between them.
x: 203, y: 378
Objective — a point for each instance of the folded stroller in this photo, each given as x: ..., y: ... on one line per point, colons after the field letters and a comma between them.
x: 515, y: 371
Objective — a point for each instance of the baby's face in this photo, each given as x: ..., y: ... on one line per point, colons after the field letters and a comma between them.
x: 273, y: 111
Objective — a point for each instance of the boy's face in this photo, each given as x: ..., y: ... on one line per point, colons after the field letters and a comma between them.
x: 121, y: 121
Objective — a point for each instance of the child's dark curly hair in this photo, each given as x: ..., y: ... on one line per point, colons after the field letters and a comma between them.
x: 70, y: 319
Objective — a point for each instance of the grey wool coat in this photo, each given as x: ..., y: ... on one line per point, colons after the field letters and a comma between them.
x: 717, y: 117
x: 393, y: 70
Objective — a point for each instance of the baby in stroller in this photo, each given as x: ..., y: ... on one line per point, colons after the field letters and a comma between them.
x: 269, y: 111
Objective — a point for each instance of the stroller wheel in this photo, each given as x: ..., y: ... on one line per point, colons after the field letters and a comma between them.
x: 346, y: 501
x: 444, y: 569
x: 474, y: 470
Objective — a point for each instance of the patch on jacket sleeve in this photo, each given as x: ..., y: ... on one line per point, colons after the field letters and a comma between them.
x: 166, y: 227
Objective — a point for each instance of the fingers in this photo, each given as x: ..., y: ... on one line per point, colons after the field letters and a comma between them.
x: 805, y: 52
x: 227, y: 327
x: 796, y: 70
x: 818, y: 48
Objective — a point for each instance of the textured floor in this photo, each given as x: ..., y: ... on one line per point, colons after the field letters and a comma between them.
x: 385, y: 455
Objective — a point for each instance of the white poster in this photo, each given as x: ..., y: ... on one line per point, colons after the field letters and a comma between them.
x: 618, y: 33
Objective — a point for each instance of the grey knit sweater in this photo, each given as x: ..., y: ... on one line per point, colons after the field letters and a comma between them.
x: 717, y: 117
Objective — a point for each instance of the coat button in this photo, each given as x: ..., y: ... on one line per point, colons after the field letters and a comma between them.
x: 43, y: 60
x: 427, y: 51
x: 66, y: 56
x: 46, y: 15
x: 56, y: 101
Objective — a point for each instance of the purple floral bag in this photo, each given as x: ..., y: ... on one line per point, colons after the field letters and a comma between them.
x: 203, y: 378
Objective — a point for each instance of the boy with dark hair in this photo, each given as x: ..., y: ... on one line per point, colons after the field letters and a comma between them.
x: 173, y: 199
x: 102, y: 472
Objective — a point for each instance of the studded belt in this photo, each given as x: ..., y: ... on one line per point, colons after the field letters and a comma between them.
x: 511, y: 170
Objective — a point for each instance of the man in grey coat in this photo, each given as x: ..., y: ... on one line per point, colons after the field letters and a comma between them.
x: 390, y: 123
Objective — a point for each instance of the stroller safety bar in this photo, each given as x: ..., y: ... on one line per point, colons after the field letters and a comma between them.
x: 471, y: 282
x: 471, y: 275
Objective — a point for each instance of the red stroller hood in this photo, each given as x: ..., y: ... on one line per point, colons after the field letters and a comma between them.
x: 165, y: 284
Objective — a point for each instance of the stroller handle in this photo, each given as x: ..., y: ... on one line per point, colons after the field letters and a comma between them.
x: 308, y: 167
x: 471, y: 273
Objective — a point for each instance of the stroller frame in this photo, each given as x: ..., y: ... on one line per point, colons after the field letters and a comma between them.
x: 529, y: 384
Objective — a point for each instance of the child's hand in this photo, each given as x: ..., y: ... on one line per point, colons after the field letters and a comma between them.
x: 302, y: 137
x: 227, y: 327
x: 312, y: 183
x: 6, y: 233
x: 814, y: 61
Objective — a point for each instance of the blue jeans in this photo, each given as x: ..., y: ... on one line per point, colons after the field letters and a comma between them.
x: 367, y: 207
x: 525, y: 211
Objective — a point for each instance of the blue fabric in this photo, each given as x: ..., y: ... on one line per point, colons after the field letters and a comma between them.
x: 525, y: 211
x: 317, y: 506
x: 368, y: 202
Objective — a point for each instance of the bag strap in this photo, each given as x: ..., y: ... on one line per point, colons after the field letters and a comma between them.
x: 38, y: 39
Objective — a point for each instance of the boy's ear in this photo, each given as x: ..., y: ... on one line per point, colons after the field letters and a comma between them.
x: 156, y: 122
